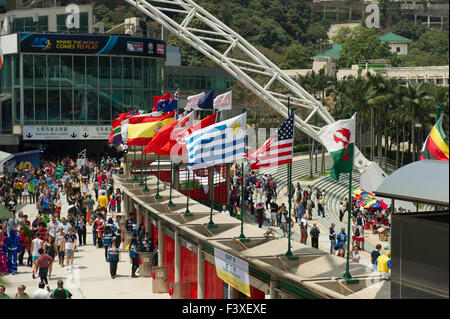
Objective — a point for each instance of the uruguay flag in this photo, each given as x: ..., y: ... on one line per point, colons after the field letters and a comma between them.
x: 223, y: 142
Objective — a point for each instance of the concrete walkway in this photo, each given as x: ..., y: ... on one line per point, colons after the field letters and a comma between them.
x: 89, y: 278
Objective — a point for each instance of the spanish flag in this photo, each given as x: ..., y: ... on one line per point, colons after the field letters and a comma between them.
x: 141, y: 129
x: 436, y: 144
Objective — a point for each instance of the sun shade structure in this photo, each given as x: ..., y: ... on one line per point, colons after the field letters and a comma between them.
x: 422, y: 182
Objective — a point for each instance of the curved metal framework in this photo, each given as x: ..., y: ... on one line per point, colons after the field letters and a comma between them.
x: 220, y: 43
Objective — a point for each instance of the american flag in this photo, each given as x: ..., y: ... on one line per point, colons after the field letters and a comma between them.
x: 277, y: 150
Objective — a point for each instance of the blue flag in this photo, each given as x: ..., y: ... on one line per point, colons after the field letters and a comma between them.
x: 162, y: 104
x: 172, y: 105
x: 207, y: 101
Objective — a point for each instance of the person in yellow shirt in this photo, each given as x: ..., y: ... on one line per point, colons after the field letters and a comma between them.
x: 383, y: 264
x: 103, y: 202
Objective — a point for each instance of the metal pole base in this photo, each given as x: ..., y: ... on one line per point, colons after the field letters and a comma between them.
x: 188, y: 213
x: 349, y: 279
x: 157, y: 196
x: 243, y: 239
x: 146, y: 189
x: 170, y: 203
x: 290, y: 255
x: 211, y: 224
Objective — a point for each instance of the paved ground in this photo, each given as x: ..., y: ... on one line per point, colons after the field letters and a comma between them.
x: 90, y: 277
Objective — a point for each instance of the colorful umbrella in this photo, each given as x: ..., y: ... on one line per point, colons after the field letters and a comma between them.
x: 364, y: 196
x: 372, y: 203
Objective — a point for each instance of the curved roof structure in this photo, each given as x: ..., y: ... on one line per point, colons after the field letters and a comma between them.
x: 422, y: 182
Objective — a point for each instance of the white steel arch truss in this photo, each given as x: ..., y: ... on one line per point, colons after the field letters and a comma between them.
x: 214, y: 32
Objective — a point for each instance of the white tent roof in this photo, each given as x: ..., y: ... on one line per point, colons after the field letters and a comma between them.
x: 3, y: 158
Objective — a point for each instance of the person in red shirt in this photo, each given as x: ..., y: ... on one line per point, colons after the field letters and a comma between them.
x: 100, y: 228
x: 42, y: 232
x: 26, y: 246
x: 42, y: 265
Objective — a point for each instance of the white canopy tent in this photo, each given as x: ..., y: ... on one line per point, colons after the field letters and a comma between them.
x: 4, y: 157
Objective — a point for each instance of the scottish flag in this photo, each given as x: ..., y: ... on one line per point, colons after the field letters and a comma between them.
x: 223, y: 142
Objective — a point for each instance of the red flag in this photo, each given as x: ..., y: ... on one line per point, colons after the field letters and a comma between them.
x: 175, y: 145
x: 141, y: 129
x: 165, y: 133
x: 157, y: 99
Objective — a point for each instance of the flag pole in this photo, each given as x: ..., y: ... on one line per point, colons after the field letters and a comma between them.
x: 289, y: 253
x: 134, y: 164
x: 145, y: 177
x: 142, y: 180
x: 170, y: 203
x: 157, y: 196
x: 211, y: 195
x: 187, y: 212
x: 347, y: 277
x: 242, y: 237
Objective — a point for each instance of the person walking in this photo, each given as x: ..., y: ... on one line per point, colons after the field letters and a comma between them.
x: 113, y: 257
x: 51, y: 250
x: 341, y: 238
x: 119, y: 200
x: 60, y: 292
x: 355, y: 254
x: 36, y: 244
x: 81, y: 229
x: 321, y: 206
x: 332, y: 237
x: 374, y: 255
x: 134, y: 255
x: 108, y: 235
x: 21, y: 294
x: 3, y: 254
x: 42, y: 265
x: 117, y: 231
x: 41, y: 293
x: 59, y: 246
x: 315, y: 232
x: 90, y: 208
x: 303, y: 232
x: 69, y: 243
x: 383, y: 264
x: 309, y: 207
x: 341, y: 211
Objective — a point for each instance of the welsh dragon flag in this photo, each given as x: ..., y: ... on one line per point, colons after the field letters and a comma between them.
x: 339, y: 139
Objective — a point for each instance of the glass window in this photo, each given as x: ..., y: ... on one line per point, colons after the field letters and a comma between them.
x: 17, y: 106
x: 138, y: 77
x: 127, y: 72
x: 92, y: 106
x: 27, y: 70
x: 61, y: 22
x: 104, y: 106
x: 53, y: 106
x: 6, y: 116
x: 137, y: 95
x: 40, y: 103
x: 53, y: 71
x: 66, y: 106
x: 28, y: 106
x: 147, y: 73
x: 116, y: 70
x: 5, y: 73
x: 105, y: 72
x: 66, y: 70
x: 127, y: 100
x: 79, y: 68
x: 43, y: 23
x: 80, y: 106
x: 16, y: 60
x: 84, y: 22
x: 116, y: 102
x: 92, y: 72
x: 40, y: 70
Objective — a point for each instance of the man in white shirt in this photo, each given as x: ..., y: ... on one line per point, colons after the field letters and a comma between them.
x: 53, y: 227
x: 41, y: 293
x: 65, y: 225
x: 225, y: 210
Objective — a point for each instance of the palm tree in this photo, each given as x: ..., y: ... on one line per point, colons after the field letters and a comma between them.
x: 414, y: 97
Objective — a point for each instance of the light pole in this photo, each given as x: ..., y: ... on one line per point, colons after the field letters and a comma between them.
x: 157, y: 196
x: 170, y: 203
x: 242, y: 237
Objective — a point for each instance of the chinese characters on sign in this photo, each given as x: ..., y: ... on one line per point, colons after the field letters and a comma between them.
x: 232, y: 270
x: 60, y: 132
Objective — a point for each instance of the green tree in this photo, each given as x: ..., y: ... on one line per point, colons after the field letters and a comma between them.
x: 297, y: 56
x: 434, y: 42
x: 362, y: 44
x: 409, y: 29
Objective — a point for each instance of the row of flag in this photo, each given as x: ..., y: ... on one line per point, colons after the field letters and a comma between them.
x: 207, y: 142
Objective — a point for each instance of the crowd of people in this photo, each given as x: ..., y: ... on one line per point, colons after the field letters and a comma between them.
x: 54, y: 234
x: 260, y: 199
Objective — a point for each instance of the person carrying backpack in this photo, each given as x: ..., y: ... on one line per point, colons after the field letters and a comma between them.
x: 60, y: 292
x: 315, y: 232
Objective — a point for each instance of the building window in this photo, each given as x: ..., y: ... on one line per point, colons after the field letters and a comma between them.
x: 397, y: 49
